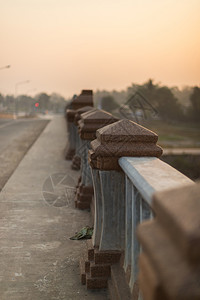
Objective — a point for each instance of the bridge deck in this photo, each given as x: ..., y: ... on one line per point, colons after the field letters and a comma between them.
x: 38, y: 261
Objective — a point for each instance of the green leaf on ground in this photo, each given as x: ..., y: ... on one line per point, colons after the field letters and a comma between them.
x: 84, y: 233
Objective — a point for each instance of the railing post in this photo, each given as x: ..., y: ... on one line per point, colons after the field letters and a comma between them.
x: 122, y: 138
x: 71, y: 145
x: 170, y: 260
x: 87, y: 125
x: 84, y: 99
x: 76, y: 160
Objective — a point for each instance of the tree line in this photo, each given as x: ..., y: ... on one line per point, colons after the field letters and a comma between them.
x: 41, y: 103
x: 171, y: 104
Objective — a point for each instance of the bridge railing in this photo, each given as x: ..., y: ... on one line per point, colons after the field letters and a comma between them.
x: 144, y: 176
x: 123, y: 160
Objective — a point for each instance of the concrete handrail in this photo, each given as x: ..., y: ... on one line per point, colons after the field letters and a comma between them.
x: 143, y: 177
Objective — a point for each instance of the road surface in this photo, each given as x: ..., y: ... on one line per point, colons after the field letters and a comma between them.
x: 16, y: 137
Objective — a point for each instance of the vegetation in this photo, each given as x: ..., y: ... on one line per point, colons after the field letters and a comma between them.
x: 172, y: 104
x: 41, y: 103
x: 175, y: 135
x: 177, y: 122
x: 108, y: 103
x: 195, y: 104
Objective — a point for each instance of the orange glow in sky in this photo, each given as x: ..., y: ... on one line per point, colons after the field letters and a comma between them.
x: 64, y: 46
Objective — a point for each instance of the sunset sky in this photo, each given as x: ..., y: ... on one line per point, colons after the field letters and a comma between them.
x: 64, y: 46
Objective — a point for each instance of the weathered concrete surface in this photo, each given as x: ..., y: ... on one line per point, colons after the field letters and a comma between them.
x: 38, y: 261
x: 164, y: 177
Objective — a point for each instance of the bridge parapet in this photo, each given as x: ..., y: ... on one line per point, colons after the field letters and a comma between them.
x: 130, y: 186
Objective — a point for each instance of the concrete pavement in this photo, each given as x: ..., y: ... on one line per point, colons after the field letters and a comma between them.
x: 37, y: 217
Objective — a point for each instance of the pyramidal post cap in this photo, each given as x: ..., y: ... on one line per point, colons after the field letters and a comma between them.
x: 84, y: 109
x: 84, y: 114
x: 84, y: 99
x: 126, y: 130
x: 87, y: 92
x: 98, y: 116
x: 80, y: 111
x: 70, y: 114
x: 88, y: 112
x: 93, y: 120
x: 122, y: 138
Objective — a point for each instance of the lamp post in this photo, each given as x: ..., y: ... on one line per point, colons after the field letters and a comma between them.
x: 5, y: 67
x: 16, y: 91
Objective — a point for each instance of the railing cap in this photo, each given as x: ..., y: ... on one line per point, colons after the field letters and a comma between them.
x: 126, y: 130
x: 98, y: 116
x: 122, y: 138
x: 93, y: 120
x: 70, y: 114
x: 80, y: 111
x: 150, y: 175
x: 84, y: 99
x: 87, y: 92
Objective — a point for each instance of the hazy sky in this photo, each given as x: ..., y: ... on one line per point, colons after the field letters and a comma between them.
x: 64, y: 46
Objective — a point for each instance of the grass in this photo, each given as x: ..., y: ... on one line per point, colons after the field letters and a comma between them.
x: 183, y: 135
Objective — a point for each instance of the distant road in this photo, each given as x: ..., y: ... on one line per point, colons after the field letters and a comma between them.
x: 16, y: 137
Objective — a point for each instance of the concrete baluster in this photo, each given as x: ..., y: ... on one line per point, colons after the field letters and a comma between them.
x: 113, y: 208
x: 98, y: 207
x: 135, y: 247
x: 128, y: 226
x: 87, y: 126
x: 76, y: 160
x: 71, y: 138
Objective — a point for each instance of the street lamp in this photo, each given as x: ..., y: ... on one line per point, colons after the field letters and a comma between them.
x: 16, y: 90
x: 5, y: 67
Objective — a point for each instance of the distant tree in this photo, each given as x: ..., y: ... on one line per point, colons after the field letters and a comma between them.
x: 167, y: 105
x: 163, y: 100
x: 195, y: 103
x: 149, y: 90
x: 25, y: 103
x: 9, y: 102
x: 1, y: 98
x: 183, y: 95
x: 171, y: 103
x: 43, y: 100
x: 108, y: 103
x: 57, y: 103
x: 1, y: 102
